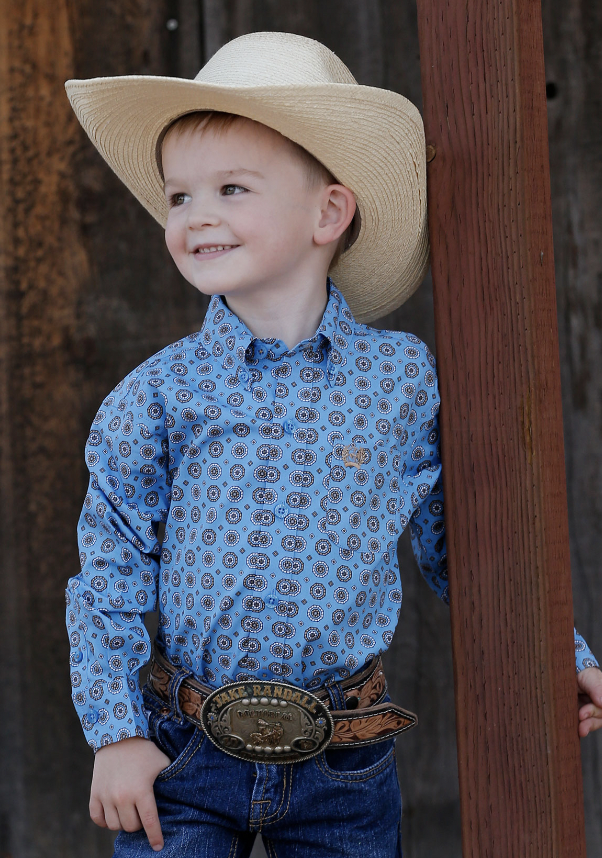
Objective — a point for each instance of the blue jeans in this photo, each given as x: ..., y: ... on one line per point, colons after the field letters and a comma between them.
x: 338, y: 804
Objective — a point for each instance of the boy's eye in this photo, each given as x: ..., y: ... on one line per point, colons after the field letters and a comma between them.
x: 176, y: 199
x: 230, y: 190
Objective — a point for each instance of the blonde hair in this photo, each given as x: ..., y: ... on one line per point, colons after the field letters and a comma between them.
x: 315, y: 172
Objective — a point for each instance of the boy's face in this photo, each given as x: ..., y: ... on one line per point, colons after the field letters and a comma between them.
x: 244, y: 191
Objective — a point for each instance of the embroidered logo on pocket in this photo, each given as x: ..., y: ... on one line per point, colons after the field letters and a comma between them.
x: 354, y: 456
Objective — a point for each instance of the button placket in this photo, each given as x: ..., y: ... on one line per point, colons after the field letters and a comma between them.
x: 331, y: 372
x: 282, y: 511
x: 264, y: 528
x: 246, y: 377
x: 284, y: 614
x: 269, y: 381
x: 271, y: 601
x: 261, y: 527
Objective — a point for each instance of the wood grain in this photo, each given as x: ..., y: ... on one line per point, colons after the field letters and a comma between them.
x: 42, y: 263
x: 121, y: 299
x: 81, y: 304
x: 573, y: 42
x: 497, y: 346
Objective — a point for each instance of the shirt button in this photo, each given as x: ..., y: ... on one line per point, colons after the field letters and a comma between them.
x: 272, y: 600
x: 78, y: 656
x: 281, y: 510
x: 289, y: 426
x: 243, y: 374
x: 92, y: 717
x: 260, y: 351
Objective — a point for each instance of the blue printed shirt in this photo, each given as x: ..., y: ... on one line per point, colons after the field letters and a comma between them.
x: 254, y: 495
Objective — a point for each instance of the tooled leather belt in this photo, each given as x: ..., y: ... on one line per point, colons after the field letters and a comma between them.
x: 280, y: 722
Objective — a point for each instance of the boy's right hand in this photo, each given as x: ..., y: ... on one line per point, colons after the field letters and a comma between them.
x: 122, y: 794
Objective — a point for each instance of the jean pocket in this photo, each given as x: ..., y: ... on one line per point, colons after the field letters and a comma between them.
x: 179, y: 740
x: 357, y: 762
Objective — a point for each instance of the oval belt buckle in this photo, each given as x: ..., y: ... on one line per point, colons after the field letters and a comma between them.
x: 266, y: 722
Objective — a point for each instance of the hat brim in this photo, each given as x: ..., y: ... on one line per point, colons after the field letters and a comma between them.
x: 371, y: 139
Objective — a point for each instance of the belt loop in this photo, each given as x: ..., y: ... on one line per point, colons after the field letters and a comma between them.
x: 335, y: 693
x: 173, y: 689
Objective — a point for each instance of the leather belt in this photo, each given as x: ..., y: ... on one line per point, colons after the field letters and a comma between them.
x: 366, y: 719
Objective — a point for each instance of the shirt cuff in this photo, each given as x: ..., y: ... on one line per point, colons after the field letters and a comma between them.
x: 584, y: 657
x: 113, y: 718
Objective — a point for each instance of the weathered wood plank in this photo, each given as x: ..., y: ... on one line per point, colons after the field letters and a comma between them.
x: 80, y: 305
x: 43, y: 263
x: 495, y: 316
x: 123, y: 300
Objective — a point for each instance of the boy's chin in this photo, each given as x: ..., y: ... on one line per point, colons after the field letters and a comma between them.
x: 215, y: 289
x: 223, y: 288
x: 207, y: 289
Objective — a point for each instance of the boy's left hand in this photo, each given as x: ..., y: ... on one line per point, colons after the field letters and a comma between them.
x: 589, y: 682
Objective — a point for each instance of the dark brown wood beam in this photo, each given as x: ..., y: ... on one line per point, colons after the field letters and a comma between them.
x: 490, y: 220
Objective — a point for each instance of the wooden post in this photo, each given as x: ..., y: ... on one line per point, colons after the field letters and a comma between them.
x: 495, y: 315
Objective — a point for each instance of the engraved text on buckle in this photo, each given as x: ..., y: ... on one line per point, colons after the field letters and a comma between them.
x: 271, y: 721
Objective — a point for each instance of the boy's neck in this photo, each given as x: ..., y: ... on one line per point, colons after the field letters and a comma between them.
x: 288, y: 316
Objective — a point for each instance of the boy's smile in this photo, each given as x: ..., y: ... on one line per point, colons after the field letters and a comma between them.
x: 241, y: 218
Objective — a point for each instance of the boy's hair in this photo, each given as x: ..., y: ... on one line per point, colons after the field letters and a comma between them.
x: 315, y: 172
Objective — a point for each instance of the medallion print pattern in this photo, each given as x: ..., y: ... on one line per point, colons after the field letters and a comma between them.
x: 282, y: 479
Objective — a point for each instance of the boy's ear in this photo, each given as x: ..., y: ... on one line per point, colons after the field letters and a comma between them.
x: 336, y: 213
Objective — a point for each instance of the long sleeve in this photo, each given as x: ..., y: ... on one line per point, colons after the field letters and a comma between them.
x: 421, y: 488
x: 427, y: 524
x: 427, y: 532
x: 188, y: 440
x: 128, y: 496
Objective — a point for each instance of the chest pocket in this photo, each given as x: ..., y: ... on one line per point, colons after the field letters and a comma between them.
x: 362, y: 495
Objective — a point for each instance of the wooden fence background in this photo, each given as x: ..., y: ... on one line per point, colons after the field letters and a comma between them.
x: 88, y: 291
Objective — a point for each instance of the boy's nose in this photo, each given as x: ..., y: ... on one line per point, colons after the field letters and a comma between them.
x: 201, y: 214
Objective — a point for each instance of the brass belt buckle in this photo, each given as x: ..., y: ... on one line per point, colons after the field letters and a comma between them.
x: 266, y: 722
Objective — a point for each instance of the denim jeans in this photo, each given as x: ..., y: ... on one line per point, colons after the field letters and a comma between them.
x: 338, y: 804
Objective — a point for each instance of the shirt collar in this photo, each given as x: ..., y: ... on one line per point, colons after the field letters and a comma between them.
x: 228, y: 338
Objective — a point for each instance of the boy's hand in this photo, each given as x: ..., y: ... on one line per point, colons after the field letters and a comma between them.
x: 122, y: 794
x: 590, y: 700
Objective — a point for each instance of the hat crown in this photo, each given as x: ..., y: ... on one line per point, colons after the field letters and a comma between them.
x: 274, y: 59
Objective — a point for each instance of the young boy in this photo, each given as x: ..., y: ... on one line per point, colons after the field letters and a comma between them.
x: 283, y: 449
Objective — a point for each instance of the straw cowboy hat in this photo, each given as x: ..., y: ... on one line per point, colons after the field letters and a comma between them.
x: 370, y: 139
